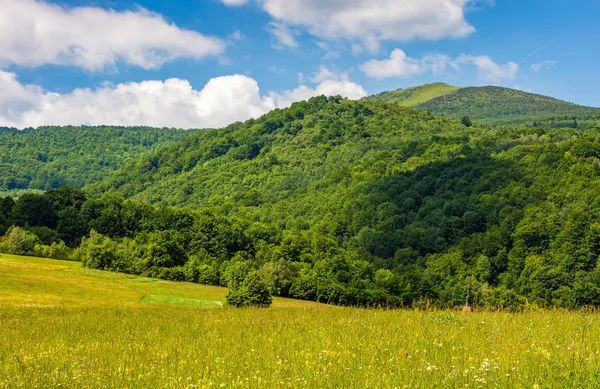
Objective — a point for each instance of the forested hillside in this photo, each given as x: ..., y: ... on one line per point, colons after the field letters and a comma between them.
x: 395, y: 202
x: 494, y: 106
x: 49, y: 157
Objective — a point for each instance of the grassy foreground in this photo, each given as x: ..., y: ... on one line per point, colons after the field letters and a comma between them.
x: 63, y: 326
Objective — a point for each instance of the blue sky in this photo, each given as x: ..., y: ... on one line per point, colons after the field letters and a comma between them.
x: 206, y: 63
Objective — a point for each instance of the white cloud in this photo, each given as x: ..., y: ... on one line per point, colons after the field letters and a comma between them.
x: 234, y: 3
x: 372, y: 21
x: 34, y: 33
x: 543, y: 65
x: 170, y: 103
x: 401, y: 65
x: 328, y: 83
x: 283, y: 34
x: 325, y: 74
x: 488, y: 69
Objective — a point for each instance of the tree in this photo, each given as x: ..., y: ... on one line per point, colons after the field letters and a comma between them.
x: 66, y: 196
x: 32, y: 210
x: 96, y: 252
x: 19, y: 241
x: 6, y: 206
x: 252, y: 292
x: 466, y: 121
x: 104, y: 215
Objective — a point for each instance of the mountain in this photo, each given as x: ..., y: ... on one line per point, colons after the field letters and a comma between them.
x: 494, y: 106
x: 49, y: 157
x: 369, y: 196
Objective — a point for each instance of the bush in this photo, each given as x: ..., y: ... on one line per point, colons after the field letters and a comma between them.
x: 19, y: 241
x: 172, y: 273
x: 55, y: 250
x: 252, y: 292
x: 96, y: 252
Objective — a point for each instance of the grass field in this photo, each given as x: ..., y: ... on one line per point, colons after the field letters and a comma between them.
x: 411, y: 97
x: 63, y: 326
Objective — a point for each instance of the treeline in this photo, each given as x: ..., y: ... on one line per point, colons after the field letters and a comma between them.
x: 50, y: 157
x: 109, y: 233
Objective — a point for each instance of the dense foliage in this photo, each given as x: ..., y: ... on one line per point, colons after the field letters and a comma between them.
x: 495, y: 106
x: 50, y: 157
x: 352, y: 203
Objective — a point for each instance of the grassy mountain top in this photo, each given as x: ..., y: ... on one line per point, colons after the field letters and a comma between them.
x: 411, y: 97
x: 494, y: 105
x: 48, y: 157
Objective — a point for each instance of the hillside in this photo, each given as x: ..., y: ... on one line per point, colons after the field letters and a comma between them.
x: 29, y: 281
x: 49, y: 157
x: 409, y: 204
x: 494, y: 105
x: 414, y: 96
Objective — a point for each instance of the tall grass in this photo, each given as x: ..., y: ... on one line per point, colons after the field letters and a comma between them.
x: 296, y: 345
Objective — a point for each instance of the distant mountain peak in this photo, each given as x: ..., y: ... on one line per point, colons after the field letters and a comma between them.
x: 493, y: 105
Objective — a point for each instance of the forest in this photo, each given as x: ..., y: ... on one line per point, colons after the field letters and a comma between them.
x: 50, y: 157
x: 344, y: 202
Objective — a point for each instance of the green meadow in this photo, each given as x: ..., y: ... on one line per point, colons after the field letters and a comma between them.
x: 65, y: 326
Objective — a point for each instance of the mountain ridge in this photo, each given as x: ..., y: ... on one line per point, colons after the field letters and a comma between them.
x: 494, y: 105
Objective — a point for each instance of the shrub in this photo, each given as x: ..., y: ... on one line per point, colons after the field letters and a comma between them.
x: 19, y: 241
x: 55, y: 250
x: 176, y: 273
x: 252, y: 292
x: 96, y: 252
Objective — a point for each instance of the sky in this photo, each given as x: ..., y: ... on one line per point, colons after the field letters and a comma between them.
x: 208, y: 63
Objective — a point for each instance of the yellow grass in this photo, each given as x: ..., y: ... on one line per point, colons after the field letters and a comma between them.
x: 411, y: 97
x: 29, y: 282
x: 63, y: 326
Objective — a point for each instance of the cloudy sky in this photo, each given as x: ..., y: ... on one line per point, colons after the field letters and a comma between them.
x: 207, y: 63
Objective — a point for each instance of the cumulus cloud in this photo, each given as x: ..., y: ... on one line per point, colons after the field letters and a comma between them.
x: 328, y: 83
x: 543, y: 65
x: 399, y: 64
x: 35, y: 32
x: 170, y: 103
x: 488, y: 69
x: 372, y: 21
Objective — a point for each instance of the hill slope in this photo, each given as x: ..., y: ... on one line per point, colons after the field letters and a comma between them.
x: 494, y: 105
x: 39, y: 282
x: 506, y: 214
x: 64, y: 327
x: 411, y: 97
x: 49, y: 157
